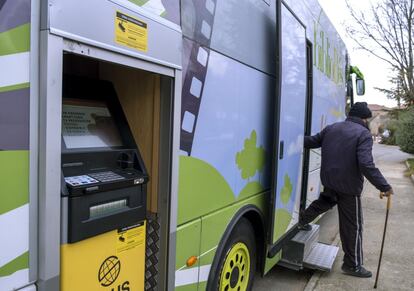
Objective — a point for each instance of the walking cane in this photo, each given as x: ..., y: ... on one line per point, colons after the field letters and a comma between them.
x: 383, y: 236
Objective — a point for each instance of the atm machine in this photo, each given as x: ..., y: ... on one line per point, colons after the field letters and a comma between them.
x: 108, y: 133
x: 103, y: 191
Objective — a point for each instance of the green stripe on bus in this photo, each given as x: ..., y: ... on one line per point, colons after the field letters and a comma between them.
x: 14, y: 87
x: 14, y: 180
x: 19, y: 263
x: 16, y: 40
x: 139, y: 2
x: 190, y: 287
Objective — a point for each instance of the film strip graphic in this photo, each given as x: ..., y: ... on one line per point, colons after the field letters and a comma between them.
x: 152, y: 253
x: 194, y: 79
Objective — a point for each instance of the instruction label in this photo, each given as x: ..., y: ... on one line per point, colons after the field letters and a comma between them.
x: 131, y: 32
x: 130, y: 237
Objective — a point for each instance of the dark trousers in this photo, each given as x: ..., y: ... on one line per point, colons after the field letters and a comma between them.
x: 350, y: 222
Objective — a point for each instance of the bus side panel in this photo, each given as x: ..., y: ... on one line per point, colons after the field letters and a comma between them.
x: 168, y: 9
x: 231, y: 148
x: 243, y: 30
x: 188, y: 245
x: 227, y: 112
x: 214, y: 226
x: 14, y: 143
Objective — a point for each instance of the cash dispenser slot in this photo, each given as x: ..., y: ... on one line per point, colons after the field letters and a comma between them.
x: 97, y: 213
x: 104, y: 177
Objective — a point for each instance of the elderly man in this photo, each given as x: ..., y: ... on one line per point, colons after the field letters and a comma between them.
x: 346, y: 158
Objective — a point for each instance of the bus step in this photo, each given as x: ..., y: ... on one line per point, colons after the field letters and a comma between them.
x: 321, y: 257
x: 299, y: 247
x: 307, y: 239
x: 304, y: 250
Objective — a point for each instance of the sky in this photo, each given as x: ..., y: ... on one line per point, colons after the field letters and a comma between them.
x: 376, y: 72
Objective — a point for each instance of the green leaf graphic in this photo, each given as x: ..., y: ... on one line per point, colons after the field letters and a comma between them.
x: 286, y: 190
x: 251, y: 158
x: 282, y: 220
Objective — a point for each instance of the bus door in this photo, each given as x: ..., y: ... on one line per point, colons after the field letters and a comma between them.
x: 290, y: 117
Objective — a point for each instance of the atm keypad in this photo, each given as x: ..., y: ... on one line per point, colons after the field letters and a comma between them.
x: 80, y: 180
x: 108, y: 176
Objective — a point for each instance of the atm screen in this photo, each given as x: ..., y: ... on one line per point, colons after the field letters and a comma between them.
x: 88, y: 124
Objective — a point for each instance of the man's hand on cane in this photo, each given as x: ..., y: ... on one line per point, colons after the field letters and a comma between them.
x: 387, y: 193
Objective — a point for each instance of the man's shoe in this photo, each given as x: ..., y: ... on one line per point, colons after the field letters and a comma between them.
x: 356, y: 271
x: 305, y: 227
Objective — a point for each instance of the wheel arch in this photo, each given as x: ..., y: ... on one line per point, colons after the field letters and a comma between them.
x: 256, y: 218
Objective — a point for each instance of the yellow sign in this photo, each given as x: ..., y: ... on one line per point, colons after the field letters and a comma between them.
x: 111, y: 261
x: 131, y: 32
x: 129, y: 238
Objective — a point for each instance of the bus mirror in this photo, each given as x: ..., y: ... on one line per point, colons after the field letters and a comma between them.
x: 360, y: 86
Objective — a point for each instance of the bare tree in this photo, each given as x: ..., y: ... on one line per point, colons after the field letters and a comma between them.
x: 387, y: 32
x: 396, y: 92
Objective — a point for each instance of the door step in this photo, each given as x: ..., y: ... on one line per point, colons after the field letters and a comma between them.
x: 304, y: 250
x: 321, y: 257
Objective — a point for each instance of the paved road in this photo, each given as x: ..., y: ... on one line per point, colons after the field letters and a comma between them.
x: 390, y: 161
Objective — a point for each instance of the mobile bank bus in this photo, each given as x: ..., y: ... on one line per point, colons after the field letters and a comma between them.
x: 158, y: 144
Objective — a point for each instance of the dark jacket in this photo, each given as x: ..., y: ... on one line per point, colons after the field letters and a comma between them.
x: 347, y: 157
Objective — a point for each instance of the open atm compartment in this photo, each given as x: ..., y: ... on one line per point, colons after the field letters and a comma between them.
x: 146, y: 100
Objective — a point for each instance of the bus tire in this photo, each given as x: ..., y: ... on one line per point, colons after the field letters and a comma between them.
x: 237, y: 260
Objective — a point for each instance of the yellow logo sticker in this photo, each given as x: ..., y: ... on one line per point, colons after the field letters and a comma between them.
x: 131, y: 32
x: 109, y: 271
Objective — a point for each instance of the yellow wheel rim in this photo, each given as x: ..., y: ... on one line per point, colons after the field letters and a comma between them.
x: 236, y: 269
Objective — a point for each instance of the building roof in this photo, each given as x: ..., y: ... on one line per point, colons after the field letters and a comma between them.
x: 376, y: 107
